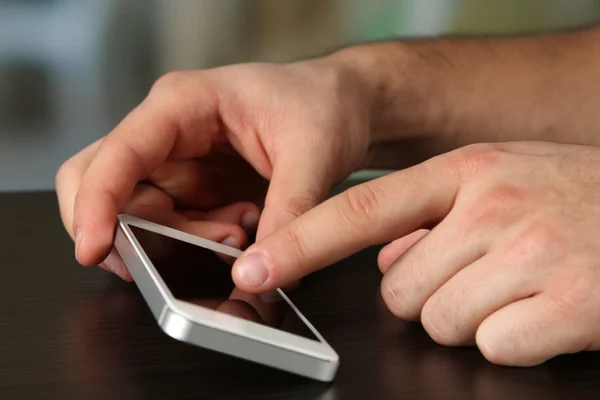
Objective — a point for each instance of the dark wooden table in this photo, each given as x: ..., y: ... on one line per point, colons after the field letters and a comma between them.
x: 72, y: 332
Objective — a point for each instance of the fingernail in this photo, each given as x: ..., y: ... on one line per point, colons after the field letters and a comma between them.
x: 115, y: 264
x: 231, y: 242
x: 250, y: 221
x: 78, y: 240
x: 253, y: 269
x: 270, y: 297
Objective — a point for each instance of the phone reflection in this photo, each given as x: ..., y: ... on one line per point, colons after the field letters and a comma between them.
x: 250, y: 307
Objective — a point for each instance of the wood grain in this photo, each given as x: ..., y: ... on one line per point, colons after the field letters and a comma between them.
x: 72, y: 332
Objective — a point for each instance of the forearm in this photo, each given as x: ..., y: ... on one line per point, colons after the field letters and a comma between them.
x: 438, y: 94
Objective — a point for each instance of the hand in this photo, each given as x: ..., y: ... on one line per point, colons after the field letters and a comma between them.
x: 203, y: 140
x: 493, y: 244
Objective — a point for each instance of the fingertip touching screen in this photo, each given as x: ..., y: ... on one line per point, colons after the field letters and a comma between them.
x: 202, y: 277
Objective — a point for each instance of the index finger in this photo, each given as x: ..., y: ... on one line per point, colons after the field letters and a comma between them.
x: 368, y: 214
x: 163, y: 127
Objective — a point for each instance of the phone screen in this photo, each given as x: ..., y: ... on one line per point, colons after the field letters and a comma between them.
x: 203, y: 277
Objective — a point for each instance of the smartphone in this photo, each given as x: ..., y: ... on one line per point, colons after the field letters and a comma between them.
x: 186, y: 282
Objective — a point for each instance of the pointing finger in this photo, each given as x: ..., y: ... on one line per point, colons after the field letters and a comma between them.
x: 368, y: 214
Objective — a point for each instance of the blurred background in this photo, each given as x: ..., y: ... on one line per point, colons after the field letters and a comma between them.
x: 71, y: 69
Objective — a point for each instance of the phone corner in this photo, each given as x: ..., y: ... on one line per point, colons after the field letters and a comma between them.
x: 175, y: 325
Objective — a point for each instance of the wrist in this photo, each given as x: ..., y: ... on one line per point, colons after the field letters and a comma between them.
x: 392, y: 93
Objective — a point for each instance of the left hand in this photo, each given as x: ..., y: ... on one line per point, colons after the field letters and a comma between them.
x: 174, y: 198
x: 512, y: 260
x: 205, y: 147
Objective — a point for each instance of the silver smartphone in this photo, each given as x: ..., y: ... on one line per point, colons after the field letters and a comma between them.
x: 186, y: 282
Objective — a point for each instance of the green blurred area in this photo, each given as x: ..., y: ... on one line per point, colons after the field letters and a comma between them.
x: 480, y: 17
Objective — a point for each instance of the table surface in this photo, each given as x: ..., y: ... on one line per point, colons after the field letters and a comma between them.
x: 72, y: 332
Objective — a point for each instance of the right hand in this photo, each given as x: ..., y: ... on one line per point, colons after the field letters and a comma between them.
x: 203, y: 140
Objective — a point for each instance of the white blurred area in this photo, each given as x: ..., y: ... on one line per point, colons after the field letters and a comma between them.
x: 71, y: 69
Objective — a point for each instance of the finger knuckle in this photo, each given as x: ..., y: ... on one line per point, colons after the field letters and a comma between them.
x: 495, y: 204
x: 172, y: 89
x: 439, y: 323
x: 238, y: 232
x: 398, y: 300
x: 64, y: 172
x: 170, y: 82
x: 294, y: 245
x: 504, y: 195
x: 297, y: 206
x: 539, y: 241
x: 491, y: 350
x: 149, y: 197
x: 475, y: 158
x: 131, y: 155
x: 360, y: 207
x: 573, y: 294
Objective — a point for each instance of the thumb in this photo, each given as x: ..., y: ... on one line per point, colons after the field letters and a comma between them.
x: 298, y: 184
